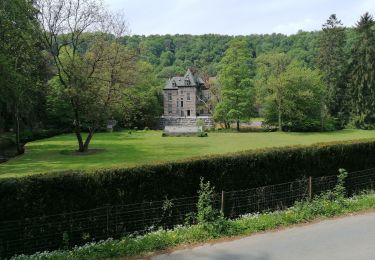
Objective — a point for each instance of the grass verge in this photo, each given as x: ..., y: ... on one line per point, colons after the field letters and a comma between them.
x: 325, y: 206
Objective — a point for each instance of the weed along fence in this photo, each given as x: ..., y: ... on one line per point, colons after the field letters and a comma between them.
x: 77, y: 228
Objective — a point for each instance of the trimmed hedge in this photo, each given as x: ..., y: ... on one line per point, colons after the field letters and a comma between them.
x: 69, y: 191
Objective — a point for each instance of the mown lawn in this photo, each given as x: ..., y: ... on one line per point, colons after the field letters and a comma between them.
x: 143, y: 147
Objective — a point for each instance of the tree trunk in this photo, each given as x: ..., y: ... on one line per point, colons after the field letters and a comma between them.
x: 280, y: 128
x: 20, y: 149
x: 238, y: 125
x: 77, y: 130
x: 88, y: 140
x: 80, y: 141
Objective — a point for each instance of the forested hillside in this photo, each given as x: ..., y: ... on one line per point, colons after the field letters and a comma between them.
x: 172, y: 54
x: 58, y: 77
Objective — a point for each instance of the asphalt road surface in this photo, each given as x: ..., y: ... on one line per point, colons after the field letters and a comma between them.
x: 345, y: 238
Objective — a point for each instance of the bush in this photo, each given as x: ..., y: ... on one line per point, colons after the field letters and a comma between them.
x: 206, y: 212
x: 36, y: 134
x: 58, y: 192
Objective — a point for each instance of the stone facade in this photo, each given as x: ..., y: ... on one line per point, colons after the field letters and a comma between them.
x: 185, y: 102
x: 186, y: 96
x: 185, y: 121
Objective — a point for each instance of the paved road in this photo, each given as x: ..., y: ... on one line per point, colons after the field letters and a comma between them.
x: 342, y: 239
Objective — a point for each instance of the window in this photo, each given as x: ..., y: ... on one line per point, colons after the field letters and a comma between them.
x: 169, y: 96
x: 174, y: 83
x: 177, y: 103
x: 169, y: 108
x: 182, y: 103
x: 188, y: 95
x: 182, y: 113
x: 187, y: 82
x: 188, y: 112
x: 181, y: 92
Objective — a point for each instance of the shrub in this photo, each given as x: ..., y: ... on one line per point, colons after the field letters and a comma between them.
x: 58, y: 192
x: 329, y: 203
x: 36, y: 134
x: 202, y: 134
x: 206, y: 212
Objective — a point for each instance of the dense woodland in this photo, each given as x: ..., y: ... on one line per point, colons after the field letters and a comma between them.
x: 76, y: 78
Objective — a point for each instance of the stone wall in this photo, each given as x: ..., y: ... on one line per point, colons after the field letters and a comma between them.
x: 185, y: 121
x: 178, y: 95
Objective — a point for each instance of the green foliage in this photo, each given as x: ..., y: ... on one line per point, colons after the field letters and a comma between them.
x: 22, y: 68
x: 36, y: 195
x: 203, y: 134
x: 363, y: 74
x: 295, y: 99
x: 206, y: 212
x: 172, y: 54
x: 329, y: 203
x: 141, y: 104
x: 333, y: 62
x: 235, y: 72
x: 164, y: 239
x: 59, y: 112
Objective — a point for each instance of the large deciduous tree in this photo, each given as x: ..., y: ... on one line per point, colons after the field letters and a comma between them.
x: 21, y: 64
x: 362, y: 80
x: 269, y: 82
x: 83, y: 39
x: 292, y: 96
x: 332, y: 61
x: 303, y: 100
x: 235, y: 74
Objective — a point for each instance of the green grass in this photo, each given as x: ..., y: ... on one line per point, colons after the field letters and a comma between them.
x: 163, y: 239
x: 122, y: 149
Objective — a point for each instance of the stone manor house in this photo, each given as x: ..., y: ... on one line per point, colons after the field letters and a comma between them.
x: 185, y: 101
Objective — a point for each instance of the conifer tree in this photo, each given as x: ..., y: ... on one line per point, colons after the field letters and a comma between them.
x: 333, y: 64
x: 362, y: 80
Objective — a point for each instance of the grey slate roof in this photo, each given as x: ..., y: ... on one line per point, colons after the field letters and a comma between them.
x: 180, y: 81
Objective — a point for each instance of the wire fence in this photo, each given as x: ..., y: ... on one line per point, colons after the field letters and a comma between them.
x: 65, y: 230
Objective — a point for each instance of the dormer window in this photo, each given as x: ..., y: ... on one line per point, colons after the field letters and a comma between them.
x: 174, y: 83
x: 187, y: 82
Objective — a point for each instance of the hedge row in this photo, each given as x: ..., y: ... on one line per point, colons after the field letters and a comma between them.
x: 69, y: 191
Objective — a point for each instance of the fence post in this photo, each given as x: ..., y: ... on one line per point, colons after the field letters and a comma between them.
x: 310, y: 188
x: 222, y: 203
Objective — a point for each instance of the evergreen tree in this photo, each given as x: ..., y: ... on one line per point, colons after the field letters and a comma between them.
x: 363, y: 73
x: 333, y: 64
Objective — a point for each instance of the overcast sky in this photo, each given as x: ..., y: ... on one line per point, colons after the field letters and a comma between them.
x: 234, y: 17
